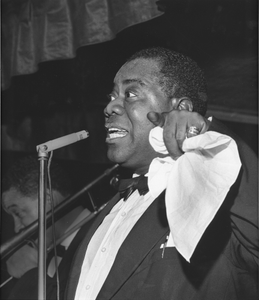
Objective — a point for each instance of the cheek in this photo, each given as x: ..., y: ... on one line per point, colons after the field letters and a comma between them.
x: 29, y: 219
x: 138, y: 118
x: 32, y: 216
x: 141, y: 132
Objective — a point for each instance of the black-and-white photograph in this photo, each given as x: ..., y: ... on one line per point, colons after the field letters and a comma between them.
x: 129, y: 150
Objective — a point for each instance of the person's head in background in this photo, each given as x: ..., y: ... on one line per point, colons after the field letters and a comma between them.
x: 20, y: 191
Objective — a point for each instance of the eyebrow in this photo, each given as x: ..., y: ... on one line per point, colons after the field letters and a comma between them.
x: 133, y: 80
x: 7, y: 208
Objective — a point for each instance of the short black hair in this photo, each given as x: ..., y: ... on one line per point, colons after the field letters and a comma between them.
x: 179, y: 76
x: 23, y: 175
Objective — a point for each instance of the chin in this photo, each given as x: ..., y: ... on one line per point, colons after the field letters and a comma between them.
x: 117, y: 154
x: 115, y: 157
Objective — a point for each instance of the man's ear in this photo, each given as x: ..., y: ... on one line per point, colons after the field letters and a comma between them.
x: 57, y: 198
x: 48, y: 198
x: 183, y: 103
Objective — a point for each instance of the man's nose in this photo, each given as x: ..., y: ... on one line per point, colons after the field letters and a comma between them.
x: 18, y: 226
x: 114, y: 107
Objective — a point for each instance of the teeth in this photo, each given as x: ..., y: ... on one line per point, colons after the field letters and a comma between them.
x: 111, y: 130
x: 116, y: 133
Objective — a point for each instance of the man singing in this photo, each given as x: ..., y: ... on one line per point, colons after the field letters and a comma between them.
x: 186, y: 225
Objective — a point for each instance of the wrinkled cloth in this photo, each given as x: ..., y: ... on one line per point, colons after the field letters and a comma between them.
x: 196, y: 183
x: 38, y: 31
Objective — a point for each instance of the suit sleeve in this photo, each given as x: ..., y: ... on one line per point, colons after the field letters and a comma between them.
x: 243, y: 202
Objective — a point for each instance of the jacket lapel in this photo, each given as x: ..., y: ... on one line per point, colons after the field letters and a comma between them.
x: 80, y: 254
x: 140, y: 241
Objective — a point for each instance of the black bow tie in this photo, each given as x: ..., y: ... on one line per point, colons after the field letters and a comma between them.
x: 128, y: 186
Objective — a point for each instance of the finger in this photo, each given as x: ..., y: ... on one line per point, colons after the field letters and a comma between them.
x: 31, y: 243
x: 172, y: 139
x: 205, y: 125
x: 197, y: 126
x: 192, y: 131
x: 156, y: 118
x: 176, y: 128
x: 173, y: 148
x: 180, y: 134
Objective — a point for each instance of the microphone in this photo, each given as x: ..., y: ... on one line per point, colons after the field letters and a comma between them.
x: 63, y: 141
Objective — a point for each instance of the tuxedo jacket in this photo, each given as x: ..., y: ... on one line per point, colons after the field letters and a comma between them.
x: 223, y: 266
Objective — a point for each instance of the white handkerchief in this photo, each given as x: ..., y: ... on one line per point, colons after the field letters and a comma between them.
x: 196, y: 183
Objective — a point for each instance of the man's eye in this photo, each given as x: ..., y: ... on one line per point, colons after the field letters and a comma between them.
x: 111, y: 97
x: 129, y: 94
x: 18, y: 214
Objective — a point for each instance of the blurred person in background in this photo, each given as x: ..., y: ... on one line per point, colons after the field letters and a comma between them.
x: 20, y: 200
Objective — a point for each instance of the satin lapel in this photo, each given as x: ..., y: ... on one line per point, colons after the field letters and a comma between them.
x: 142, y: 238
x: 80, y: 254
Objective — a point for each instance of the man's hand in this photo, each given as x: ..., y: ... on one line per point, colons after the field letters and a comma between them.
x: 176, y: 124
x: 23, y: 260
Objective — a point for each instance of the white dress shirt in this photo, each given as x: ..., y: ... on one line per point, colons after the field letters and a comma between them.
x: 105, y: 243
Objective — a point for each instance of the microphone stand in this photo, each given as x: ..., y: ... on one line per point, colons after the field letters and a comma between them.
x: 43, y: 150
x: 43, y: 158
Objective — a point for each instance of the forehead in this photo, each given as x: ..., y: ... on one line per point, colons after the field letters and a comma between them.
x: 13, y: 198
x: 142, y: 70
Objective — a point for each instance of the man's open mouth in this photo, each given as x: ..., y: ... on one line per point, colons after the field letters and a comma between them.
x: 114, y: 132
